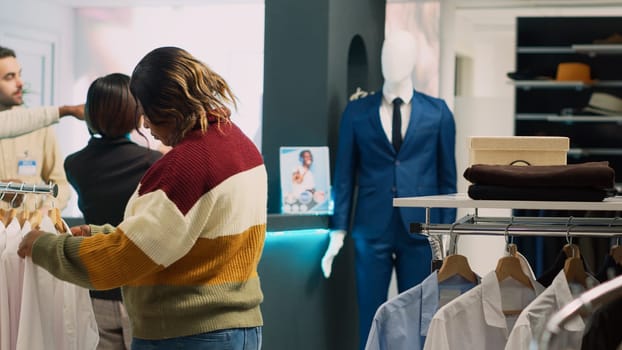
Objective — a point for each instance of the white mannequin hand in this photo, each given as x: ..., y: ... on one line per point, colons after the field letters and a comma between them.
x: 334, y: 246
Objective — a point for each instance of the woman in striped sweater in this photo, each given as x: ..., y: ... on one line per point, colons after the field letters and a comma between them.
x: 187, y: 250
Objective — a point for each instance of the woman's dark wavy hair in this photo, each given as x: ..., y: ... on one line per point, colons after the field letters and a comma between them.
x: 175, y: 88
x: 111, y: 110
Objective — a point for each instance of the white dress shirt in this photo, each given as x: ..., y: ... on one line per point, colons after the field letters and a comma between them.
x: 12, y: 270
x: 533, y: 318
x: 55, y: 315
x: 475, y: 320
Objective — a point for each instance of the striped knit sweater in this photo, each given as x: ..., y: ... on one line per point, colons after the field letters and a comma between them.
x: 186, y: 253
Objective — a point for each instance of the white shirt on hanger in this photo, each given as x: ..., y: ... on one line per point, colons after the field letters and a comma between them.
x: 10, y: 286
x: 533, y: 319
x: 55, y: 315
x: 475, y: 320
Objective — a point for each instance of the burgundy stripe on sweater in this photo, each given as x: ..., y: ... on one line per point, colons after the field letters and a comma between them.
x: 199, y: 163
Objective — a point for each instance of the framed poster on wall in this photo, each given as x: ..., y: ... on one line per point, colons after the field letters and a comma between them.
x: 305, y: 180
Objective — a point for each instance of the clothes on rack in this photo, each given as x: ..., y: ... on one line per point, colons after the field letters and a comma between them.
x: 547, y: 277
x: 38, y: 311
x: 476, y: 319
x: 532, y: 320
x: 609, y: 269
x: 402, y: 322
x: 603, y: 328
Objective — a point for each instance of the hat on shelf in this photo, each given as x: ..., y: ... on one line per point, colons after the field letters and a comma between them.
x: 614, y: 38
x: 574, y: 71
x: 604, y: 104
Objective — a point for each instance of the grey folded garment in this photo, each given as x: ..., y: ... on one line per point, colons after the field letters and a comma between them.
x: 585, y: 175
x: 565, y: 194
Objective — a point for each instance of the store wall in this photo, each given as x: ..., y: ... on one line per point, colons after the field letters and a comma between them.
x: 315, y: 53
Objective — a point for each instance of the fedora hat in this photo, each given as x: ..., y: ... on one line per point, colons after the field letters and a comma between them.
x: 604, y: 104
x: 574, y: 71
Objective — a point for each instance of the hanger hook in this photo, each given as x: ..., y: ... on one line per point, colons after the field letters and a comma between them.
x: 21, y: 188
x: 453, y: 243
x: 506, y: 234
x: 569, y: 237
x: 37, y: 203
x: 53, y: 202
x: 4, y: 191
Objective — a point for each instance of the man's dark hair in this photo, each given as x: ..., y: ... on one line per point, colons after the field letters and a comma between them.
x: 6, y: 52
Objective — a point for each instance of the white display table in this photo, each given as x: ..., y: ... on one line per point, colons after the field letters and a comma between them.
x: 461, y: 200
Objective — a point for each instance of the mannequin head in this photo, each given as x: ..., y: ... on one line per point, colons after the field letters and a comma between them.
x: 398, y: 56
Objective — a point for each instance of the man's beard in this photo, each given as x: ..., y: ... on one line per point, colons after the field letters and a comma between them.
x: 13, y: 101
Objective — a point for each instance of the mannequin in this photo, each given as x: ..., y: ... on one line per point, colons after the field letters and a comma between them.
x: 424, y: 164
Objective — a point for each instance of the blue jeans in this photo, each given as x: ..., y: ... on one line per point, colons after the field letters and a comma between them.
x: 226, y: 339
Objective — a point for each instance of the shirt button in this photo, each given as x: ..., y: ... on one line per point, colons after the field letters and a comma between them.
x: 393, y: 189
x: 397, y: 162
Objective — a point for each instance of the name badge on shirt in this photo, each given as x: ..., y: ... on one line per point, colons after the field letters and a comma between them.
x: 26, y: 167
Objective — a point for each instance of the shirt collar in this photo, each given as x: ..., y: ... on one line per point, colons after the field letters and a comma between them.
x: 406, y: 96
x: 491, y: 299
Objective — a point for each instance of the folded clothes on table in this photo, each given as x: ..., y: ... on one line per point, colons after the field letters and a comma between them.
x: 583, y: 175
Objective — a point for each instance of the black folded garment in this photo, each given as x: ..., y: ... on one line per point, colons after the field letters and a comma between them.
x: 514, y: 193
x: 583, y: 175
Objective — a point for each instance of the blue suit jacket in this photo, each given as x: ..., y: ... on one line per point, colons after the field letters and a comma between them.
x: 425, y: 165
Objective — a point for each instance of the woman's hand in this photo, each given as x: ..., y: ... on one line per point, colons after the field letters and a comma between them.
x: 25, y: 246
x: 82, y: 230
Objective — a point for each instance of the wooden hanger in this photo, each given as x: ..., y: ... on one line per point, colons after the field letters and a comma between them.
x: 456, y: 264
x: 22, y: 216
x: 9, y: 214
x: 509, y: 266
x: 571, y: 249
x: 57, y: 219
x: 573, y: 269
x: 35, y: 218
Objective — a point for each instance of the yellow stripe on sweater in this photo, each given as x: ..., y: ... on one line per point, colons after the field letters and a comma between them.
x: 210, y: 261
x: 214, y: 261
x: 112, y: 260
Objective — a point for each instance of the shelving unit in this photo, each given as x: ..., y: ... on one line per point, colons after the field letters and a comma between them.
x: 547, y: 107
x: 474, y: 224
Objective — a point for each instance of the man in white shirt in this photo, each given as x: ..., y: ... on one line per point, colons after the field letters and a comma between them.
x: 33, y: 157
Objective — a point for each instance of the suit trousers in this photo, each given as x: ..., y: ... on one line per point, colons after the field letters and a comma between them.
x: 409, y: 254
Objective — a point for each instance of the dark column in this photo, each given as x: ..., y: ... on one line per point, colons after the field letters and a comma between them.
x: 317, y: 52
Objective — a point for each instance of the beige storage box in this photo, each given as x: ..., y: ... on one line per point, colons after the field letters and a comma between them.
x: 504, y: 150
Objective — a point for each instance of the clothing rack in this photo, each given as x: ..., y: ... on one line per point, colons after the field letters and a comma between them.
x: 20, y: 187
x: 583, y: 305
x: 473, y: 224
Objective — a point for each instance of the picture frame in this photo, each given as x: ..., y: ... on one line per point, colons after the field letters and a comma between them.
x: 305, y: 180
